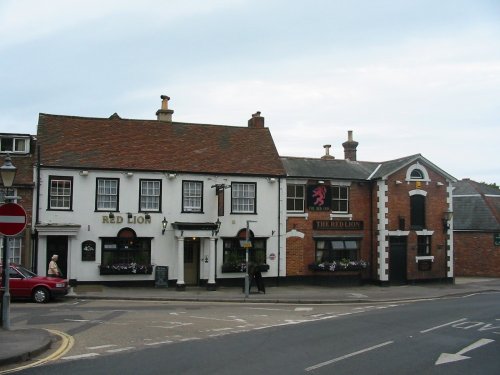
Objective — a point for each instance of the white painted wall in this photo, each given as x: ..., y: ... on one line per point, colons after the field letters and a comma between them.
x: 92, y: 224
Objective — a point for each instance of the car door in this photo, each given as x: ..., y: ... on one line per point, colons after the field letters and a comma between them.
x: 18, y: 284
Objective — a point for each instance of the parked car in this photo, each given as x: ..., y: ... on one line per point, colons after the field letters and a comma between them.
x: 25, y: 284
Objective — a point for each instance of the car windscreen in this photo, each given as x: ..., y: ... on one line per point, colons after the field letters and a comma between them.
x: 25, y: 272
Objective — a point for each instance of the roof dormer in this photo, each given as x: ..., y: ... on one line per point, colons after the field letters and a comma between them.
x: 15, y: 143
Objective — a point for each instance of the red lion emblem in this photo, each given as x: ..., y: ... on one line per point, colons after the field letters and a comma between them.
x: 319, y: 193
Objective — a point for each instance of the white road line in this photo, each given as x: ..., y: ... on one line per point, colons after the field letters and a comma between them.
x: 216, y: 319
x: 303, y: 309
x: 100, y: 347
x: 88, y: 355
x: 443, y: 325
x: 159, y: 343
x: 120, y: 349
x: 265, y: 308
x: 311, y: 368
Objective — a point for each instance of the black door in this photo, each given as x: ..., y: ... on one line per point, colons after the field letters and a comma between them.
x: 397, y: 260
x: 58, y: 245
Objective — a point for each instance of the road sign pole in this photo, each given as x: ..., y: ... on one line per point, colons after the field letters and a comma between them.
x: 12, y: 222
x: 6, y: 280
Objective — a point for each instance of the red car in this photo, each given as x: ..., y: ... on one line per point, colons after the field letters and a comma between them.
x: 25, y: 284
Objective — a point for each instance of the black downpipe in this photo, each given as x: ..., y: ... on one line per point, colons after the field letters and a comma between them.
x: 372, y: 234
x: 37, y: 213
x: 279, y: 230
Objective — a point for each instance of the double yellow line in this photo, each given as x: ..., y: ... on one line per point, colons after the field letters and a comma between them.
x: 67, y: 342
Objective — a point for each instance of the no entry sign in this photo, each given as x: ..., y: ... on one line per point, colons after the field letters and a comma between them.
x: 12, y: 219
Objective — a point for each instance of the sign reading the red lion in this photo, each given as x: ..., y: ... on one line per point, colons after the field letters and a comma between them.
x: 319, y: 198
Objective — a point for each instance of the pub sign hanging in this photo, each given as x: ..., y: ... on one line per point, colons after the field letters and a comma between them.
x: 319, y: 198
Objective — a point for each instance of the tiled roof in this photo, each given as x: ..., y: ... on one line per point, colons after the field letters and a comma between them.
x: 151, y: 145
x: 476, y: 206
x: 327, y: 168
x: 351, y: 170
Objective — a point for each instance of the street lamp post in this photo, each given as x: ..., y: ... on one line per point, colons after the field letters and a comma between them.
x: 7, y: 172
x: 247, y: 246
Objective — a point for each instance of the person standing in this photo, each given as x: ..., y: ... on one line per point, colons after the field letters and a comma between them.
x: 54, y: 270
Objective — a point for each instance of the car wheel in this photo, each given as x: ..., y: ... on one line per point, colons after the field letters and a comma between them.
x: 41, y: 295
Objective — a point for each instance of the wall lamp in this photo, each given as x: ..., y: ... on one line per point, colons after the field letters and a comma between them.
x: 111, y: 215
x: 129, y: 215
x: 398, y: 182
x: 84, y: 173
x: 129, y: 174
x: 447, y: 216
x: 147, y: 216
x: 171, y: 175
x: 164, y: 224
x: 271, y: 180
x: 215, y: 232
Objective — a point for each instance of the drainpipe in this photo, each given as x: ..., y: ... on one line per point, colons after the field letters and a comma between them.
x: 34, y: 260
x: 371, y: 231
x: 279, y: 230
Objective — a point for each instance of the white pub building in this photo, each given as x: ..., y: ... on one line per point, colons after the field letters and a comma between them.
x: 157, y: 201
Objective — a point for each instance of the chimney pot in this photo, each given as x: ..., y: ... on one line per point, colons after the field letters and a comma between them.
x: 327, y: 152
x: 350, y: 147
x: 164, y: 114
x: 257, y: 121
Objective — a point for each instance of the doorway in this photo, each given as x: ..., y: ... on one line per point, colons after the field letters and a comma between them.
x: 397, y: 260
x: 191, y: 261
x: 58, y: 245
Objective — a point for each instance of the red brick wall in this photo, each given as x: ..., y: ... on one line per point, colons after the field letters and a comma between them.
x: 476, y: 254
x: 436, y: 205
x: 301, y: 251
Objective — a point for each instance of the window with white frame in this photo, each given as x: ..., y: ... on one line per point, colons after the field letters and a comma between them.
x: 423, y: 245
x: 337, y: 249
x: 107, y: 191
x: 243, y: 197
x: 340, y: 199
x: 14, y: 144
x: 150, y: 195
x: 192, y: 196
x: 295, y: 198
x: 15, y: 244
x: 60, y: 193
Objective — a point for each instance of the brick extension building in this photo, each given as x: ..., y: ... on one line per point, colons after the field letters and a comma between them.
x: 476, y: 229
x: 21, y: 148
x: 390, y: 217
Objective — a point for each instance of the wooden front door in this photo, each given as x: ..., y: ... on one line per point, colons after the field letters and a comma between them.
x: 191, y: 261
x: 397, y: 260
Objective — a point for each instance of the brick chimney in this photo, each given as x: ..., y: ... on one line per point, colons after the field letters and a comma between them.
x: 327, y: 155
x: 164, y: 114
x: 350, y: 147
x: 257, y: 121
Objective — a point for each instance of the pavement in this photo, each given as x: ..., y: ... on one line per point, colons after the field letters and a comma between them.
x: 18, y: 345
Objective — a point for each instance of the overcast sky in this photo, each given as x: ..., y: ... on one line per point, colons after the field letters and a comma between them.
x: 406, y: 77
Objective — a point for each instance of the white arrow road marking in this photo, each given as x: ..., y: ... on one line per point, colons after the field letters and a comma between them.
x: 447, y: 357
x: 311, y: 368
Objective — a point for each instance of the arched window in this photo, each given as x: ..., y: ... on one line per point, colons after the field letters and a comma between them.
x: 417, y: 172
x: 417, y: 207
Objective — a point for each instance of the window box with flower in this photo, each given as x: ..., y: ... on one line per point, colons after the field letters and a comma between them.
x: 126, y: 269
x: 342, y: 265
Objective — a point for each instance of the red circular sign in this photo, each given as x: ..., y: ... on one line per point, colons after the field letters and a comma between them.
x: 12, y: 219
